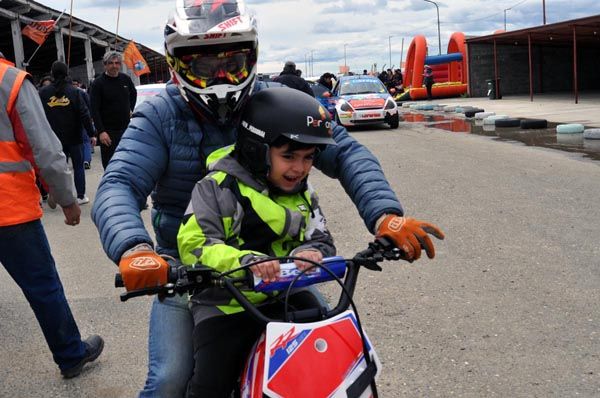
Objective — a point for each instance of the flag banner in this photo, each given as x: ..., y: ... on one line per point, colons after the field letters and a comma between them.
x: 38, y: 31
x: 134, y: 60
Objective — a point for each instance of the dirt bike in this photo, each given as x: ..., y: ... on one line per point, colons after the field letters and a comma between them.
x: 316, y: 352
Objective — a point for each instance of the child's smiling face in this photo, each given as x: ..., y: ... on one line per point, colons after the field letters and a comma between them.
x: 289, y: 168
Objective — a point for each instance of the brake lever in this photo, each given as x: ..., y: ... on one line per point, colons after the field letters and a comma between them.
x: 378, y: 251
x: 166, y: 290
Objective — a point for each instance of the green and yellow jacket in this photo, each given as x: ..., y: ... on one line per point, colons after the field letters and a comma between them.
x: 232, y: 218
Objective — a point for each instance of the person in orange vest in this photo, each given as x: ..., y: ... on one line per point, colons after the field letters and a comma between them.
x: 27, y: 145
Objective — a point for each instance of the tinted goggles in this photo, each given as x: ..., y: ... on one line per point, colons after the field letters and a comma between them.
x: 230, y: 67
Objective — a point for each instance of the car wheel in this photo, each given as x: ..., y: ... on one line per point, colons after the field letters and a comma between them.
x: 394, y: 121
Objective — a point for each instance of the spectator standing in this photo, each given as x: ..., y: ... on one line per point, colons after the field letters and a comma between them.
x: 383, y: 77
x: 87, y: 143
x: 113, y: 97
x: 289, y: 77
x: 428, y: 81
x: 396, y: 83
x: 326, y: 80
x: 27, y: 143
x: 68, y: 114
x: 46, y: 80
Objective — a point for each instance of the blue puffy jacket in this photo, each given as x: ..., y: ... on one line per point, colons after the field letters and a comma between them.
x: 163, y: 153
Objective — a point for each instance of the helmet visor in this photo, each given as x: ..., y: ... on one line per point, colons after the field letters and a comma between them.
x: 228, y: 67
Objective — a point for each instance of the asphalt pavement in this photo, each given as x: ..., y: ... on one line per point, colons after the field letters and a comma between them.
x: 510, y: 306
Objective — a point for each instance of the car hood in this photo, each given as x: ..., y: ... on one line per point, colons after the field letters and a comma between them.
x: 362, y: 101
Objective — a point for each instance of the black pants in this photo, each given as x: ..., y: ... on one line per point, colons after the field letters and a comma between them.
x: 428, y: 87
x: 222, y: 343
x: 107, y: 152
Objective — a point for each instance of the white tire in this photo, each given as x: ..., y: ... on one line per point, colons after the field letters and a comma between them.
x: 591, y: 134
x: 492, y: 119
x: 483, y: 115
x: 571, y: 128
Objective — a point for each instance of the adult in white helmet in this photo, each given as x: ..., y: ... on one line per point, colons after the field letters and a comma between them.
x: 211, y: 48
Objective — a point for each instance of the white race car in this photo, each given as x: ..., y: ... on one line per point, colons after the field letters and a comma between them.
x: 364, y: 99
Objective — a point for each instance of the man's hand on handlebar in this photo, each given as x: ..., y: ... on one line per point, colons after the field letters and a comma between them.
x: 142, y: 267
x: 409, y: 235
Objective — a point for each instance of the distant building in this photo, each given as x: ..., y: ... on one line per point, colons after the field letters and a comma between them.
x: 552, y: 58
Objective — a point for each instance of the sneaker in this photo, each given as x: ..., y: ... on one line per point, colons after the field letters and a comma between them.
x: 93, y: 348
x: 86, y: 165
x: 84, y: 200
x: 51, y: 201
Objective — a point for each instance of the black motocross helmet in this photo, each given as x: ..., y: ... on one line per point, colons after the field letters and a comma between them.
x: 278, y: 112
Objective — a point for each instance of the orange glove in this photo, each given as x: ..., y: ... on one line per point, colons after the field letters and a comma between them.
x: 142, y: 267
x: 409, y: 235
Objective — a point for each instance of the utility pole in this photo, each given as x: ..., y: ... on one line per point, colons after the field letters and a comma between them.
x: 401, y: 54
x: 544, y: 10
x: 505, y: 18
x: 438, y: 23
x: 390, y: 48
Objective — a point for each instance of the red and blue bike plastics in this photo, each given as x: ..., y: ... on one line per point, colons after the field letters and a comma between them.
x: 318, y: 352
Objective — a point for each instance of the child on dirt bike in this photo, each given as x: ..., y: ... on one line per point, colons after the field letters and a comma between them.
x: 255, y: 202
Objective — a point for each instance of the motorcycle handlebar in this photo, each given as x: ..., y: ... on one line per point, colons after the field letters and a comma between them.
x: 183, y: 279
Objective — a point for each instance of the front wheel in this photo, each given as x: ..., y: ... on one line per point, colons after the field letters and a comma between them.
x: 394, y: 121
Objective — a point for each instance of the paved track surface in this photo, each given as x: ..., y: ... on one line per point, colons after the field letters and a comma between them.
x: 509, y: 307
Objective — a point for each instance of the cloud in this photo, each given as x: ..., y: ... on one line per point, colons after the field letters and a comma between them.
x: 295, y: 29
x: 350, y: 6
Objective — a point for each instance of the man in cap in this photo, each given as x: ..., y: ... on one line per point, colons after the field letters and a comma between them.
x: 68, y: 114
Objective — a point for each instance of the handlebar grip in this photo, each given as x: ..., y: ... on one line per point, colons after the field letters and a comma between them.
x: 119, y: 280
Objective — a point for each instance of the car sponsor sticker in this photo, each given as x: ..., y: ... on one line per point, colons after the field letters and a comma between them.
x: 367, y: 103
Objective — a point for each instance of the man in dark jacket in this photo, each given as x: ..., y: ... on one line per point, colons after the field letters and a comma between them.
x: 290, y: 78
x: 68, y: 113
x: 113, y: 97
x: 164, y: 153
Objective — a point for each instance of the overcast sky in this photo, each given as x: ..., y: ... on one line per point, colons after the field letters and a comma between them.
x: 296, y: 29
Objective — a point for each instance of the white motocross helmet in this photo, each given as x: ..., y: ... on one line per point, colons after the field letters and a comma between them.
x: 211, y: 47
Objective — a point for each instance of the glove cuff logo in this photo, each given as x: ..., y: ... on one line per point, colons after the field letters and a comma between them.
x: 145, y: 264
x: 396, y: 224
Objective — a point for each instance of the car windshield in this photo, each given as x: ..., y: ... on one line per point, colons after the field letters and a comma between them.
x: 361, y: 86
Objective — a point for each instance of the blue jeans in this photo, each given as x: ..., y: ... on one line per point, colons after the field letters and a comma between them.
x: 170, y: 352
x: 75, y: 152
x: 25, y: 253
x: 170, y: 347
x: 87, y: 147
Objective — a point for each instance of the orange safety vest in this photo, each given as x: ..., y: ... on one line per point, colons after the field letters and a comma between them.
x: 19, y: 195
